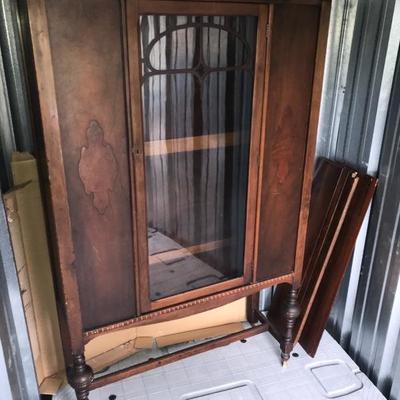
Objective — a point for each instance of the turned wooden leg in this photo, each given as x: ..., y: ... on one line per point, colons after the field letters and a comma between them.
x: 80, y: 376
x: 291, y: 312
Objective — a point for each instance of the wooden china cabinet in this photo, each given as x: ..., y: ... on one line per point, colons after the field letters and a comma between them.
x: 179, y: 142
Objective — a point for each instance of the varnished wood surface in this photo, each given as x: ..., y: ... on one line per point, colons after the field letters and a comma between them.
x: 68, y: 295
x: 165, y: 7
x: 340, y: 198
x: 89, y: 85
x: 258, y: 134
x: 332, y: 191
x: 337, y: 264
x: 312, y: 138
x: 287, y: 117
x: 137, y: 154
x: 337, y: 188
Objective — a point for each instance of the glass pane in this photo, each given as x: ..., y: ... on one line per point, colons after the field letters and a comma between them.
x: 197, y: 86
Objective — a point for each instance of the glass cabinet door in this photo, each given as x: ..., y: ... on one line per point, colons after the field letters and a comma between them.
x: 197, y: 77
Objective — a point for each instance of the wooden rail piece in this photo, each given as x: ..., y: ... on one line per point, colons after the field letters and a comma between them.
x: 170, y: 255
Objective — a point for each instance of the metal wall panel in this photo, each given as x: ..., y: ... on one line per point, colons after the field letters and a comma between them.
x: 366, y: 315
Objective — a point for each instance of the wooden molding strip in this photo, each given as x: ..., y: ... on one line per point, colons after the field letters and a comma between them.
x: 189, y: 308
x: 312, y: 138
x: 191, y: 143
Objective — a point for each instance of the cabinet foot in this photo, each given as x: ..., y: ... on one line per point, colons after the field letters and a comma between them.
x: 80, y: 376
x: 291, y: 312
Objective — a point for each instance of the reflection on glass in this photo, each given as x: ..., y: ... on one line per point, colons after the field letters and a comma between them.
x: 197, y: 84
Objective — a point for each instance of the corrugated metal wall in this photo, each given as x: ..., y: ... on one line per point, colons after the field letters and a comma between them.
x: 358, y: 127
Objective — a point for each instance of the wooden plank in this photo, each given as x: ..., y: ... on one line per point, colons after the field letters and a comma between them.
x: 69, y: 312
x: 336, y: 265
x: 260, y: 84
x: 165, y: 7
x: 189, y: 307
x: 187, y: 251
x: 287, y: 116
x: 188, y: 144
x: 304, y: 2
x: 179, y: 355
x: 340, y: 198
x: 333, y: 189
x: 312, y: 138
x: 261, y: 152
x: 170, y: 301
x: 137, y: 154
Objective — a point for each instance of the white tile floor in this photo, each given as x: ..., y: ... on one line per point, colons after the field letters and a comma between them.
x: 247, y: 371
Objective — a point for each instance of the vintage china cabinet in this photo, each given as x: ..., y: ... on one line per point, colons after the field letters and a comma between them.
x: 179, y: 143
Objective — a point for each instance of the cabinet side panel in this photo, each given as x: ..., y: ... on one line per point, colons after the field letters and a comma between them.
x: 88, y: 62
x: 294, y: 42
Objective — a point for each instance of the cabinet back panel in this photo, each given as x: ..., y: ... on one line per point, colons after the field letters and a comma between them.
x: 88, y: 63
x: 294, y: 43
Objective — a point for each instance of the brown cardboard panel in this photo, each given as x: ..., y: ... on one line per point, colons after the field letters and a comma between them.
x: 199, y: 334
x: 51, y: 385
x: 230, y: 313
x: 144, y: 342
x: 104, y: 360
x: 34, y: 241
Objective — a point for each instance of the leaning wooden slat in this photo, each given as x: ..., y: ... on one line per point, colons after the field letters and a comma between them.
x: 58, y: 197
x: 337, y: 265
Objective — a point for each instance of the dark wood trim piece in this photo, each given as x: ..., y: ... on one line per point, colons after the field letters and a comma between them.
x: 137, y: 156
x: 80, y: 376
x: 337, y: 265
x: 261, y: 148
x: 252, y: 307
x: 261, y: 317
x: 196, y: 293
x: 297, y: 2
x: 189, y: 308
x: 255, y: 143
x: 166, y: 7
x: 179, y: 355
x: 70, y: 313
x: 291, y: 311
x: 311, y: 141
x: 129, y: 106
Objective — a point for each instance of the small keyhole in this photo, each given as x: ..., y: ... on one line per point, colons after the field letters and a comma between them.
x: 112, y: 397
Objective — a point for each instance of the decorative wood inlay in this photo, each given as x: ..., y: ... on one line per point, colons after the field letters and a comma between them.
x: 98, y: 167
x: 242, y: 291
x: 192, y: 143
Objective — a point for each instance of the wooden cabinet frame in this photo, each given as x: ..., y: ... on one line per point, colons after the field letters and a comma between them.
x: 74, y: 334
x: 134, y: 10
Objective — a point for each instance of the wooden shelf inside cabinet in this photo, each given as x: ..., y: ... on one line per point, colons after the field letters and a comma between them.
x: 189, y: 144
x: 166, y: 256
